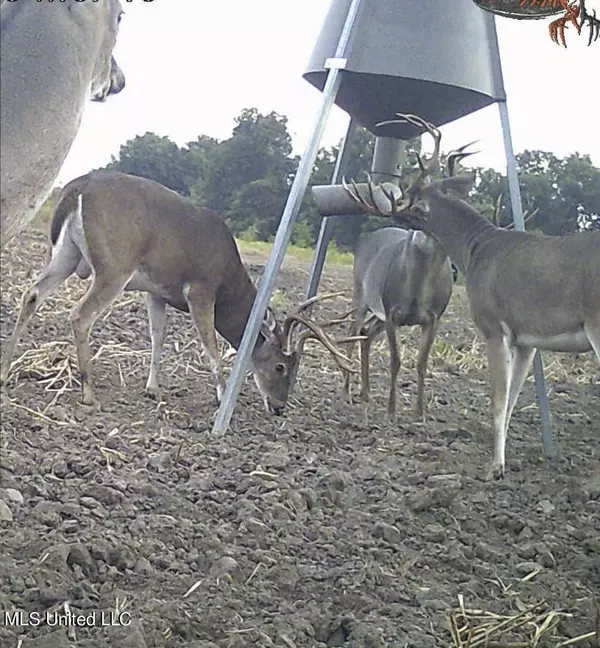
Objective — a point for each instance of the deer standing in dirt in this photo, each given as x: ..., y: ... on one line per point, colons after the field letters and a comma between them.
x: 526, y: 291
x: 55, y: 56
x: 404, y: 278
x: 134, y: 234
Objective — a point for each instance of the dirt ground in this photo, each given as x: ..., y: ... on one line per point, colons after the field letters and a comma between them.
x: 325, y: 527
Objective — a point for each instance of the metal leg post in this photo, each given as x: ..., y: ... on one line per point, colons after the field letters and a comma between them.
x: 284, y: 231
x: 550, y: 449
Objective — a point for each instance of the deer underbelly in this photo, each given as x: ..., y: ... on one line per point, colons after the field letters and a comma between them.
x: 142, y: 282
x: 571, y: 342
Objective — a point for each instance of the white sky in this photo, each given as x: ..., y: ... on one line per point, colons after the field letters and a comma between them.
x: 192, y: 66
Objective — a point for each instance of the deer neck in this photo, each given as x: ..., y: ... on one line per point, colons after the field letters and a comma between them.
x: 458, y: 227
x: 232, y: 311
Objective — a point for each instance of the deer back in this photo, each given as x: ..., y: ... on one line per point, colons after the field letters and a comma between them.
x: 135, y: 227
x: 402, y: 270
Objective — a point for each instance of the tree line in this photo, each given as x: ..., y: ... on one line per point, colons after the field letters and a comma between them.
x: 246, y: 178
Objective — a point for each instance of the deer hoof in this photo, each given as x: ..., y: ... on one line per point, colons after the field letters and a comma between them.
x: 419, y: 413
x: 495, y: 472
x: 154, y: 393
x: 87, y: 396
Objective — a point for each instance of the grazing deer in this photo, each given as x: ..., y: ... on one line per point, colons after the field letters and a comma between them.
x: 54, y: 57
x: 403, y: 278
x: 526, y: 291
x: 135, y: 234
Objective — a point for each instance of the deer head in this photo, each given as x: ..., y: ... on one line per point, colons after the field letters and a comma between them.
x: 276, y: 358
x: 107, y: 76
x: 410, y: 207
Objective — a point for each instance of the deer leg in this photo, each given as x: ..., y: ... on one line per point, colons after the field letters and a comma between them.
x: 357, y: 323
x: 372, y: 331
x: 428, y: 332
x: 99, y: 297
x: 521, y: 362
x: 62, y: 264
x: 157, y: 319
x: 202, y: 308
x: 390, y: 329
x: 592, y: 330
x: 500, y: 368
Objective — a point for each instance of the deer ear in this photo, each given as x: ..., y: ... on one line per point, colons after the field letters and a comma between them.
x: 269, y: 325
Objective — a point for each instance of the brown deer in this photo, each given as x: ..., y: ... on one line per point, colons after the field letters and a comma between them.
x: 526, y: 291
x: 55, y: 56
x: 131, y: 233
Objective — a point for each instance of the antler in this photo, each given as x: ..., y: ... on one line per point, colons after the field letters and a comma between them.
x: 410, y: 195
x: 308, y: 304
x: 315, y: 331
x: 454, y: 157
x: 434, y: 131
x: 396, y: 204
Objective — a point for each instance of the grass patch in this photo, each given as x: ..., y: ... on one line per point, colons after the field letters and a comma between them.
x: 263, y: 248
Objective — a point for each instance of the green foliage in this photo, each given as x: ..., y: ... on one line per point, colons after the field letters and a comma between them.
x: 256, y: 155
x: 302, y: 235
x: 247, y: 177
x: 566, y: 192
x: 157, y: 158
x: 44, y: 215
x: 264, y: 248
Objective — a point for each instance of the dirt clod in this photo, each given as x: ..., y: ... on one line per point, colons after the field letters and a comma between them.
x: 325, y: 527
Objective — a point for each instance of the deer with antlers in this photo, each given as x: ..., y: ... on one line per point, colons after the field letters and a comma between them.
x: 526, y: 291
x: 403, y: 278
x: 134, y: 234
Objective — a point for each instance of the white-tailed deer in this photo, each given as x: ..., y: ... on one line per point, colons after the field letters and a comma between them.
x: 55, y: 56
x: 134, y: 234
x: 526, y: 291
x: 403, y: 278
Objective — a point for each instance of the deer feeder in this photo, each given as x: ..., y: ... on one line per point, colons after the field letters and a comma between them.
x: 435, y: 60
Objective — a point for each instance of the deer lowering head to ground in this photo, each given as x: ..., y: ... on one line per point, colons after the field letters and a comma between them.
x: 55, y: 56
x: 131, y: 233
x: 526, y: 291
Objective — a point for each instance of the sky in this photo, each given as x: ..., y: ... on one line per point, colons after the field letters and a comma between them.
x: 192, y: 66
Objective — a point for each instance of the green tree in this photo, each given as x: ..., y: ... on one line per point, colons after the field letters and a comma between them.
x: 157, y: 158
x: 259, y: 149
x: 198, y: 153
x: 256, y: 208
x: 566, y: 192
